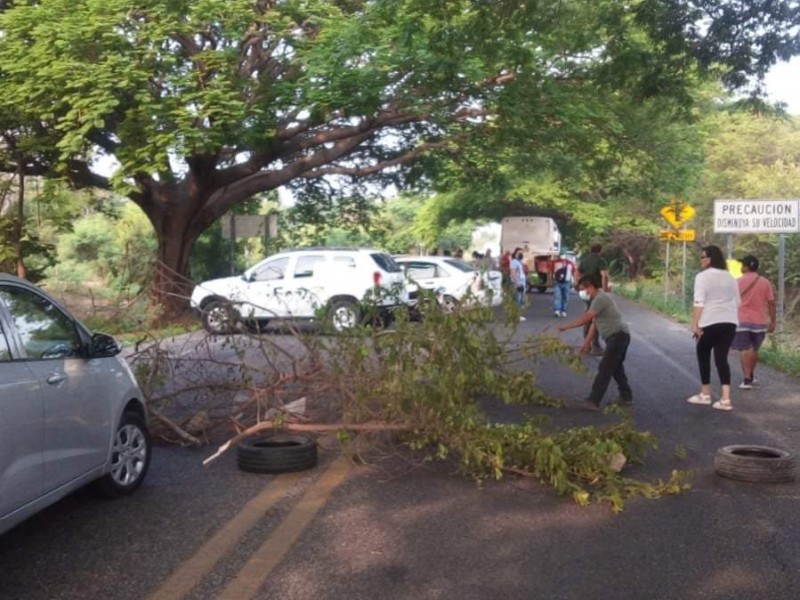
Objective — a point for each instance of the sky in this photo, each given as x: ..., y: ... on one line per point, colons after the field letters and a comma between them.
x: 783, y: 84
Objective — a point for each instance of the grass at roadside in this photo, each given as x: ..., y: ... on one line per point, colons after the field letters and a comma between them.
x: 781, y: 352
x: 125, y: 316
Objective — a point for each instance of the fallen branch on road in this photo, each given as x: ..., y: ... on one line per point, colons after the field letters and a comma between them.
x: 372, y: 427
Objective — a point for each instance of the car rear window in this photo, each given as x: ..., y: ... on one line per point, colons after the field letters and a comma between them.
x: 460, y: 265
x: 385, y: 262
x: 306, y: 264
x: 344, y: 261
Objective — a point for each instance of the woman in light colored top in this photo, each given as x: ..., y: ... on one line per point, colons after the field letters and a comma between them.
x: 714, y: 321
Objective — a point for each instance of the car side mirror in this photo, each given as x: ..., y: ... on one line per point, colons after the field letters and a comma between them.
x: 103, y: 346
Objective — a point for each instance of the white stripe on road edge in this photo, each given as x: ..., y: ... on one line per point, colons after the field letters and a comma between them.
x: 266, y: 558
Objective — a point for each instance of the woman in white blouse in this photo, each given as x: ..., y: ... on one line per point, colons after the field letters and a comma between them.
x: 714, y: 321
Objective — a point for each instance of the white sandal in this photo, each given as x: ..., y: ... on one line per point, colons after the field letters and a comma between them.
x: 722, y: 405
x: 699, y: 399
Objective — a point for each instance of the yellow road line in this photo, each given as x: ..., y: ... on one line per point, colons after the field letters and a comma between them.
x: 246, y: 583
x: 199, y: 565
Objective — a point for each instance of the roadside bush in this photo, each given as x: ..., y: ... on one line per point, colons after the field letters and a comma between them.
x: 116, y: 253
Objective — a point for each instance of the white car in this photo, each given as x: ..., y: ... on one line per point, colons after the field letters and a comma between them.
x: 72, y: 411
x: 454, y: 281
x: 337, y: 283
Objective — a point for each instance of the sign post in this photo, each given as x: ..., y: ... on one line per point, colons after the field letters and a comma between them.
x: 676, y: 213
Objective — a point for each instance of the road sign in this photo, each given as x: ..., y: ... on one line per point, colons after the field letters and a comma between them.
x: 677, y: 213
x: 676, y: 235
x: 250, y: 226
x: 757, y: 216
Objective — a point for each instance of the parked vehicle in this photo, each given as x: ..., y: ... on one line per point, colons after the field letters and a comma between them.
x: 540, y: 241
x: 72, y: 410
x: 338, y: 284
x: 453, y: 280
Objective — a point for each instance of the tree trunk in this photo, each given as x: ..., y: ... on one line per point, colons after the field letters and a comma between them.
x: 177, y: 227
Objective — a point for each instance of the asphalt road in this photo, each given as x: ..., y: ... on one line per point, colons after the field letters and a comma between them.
x: 400, y: 530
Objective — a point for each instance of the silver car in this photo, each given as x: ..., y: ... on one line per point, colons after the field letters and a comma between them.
x: 72, y: 412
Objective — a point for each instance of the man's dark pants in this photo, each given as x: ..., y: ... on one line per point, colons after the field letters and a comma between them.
x: 611, y: 366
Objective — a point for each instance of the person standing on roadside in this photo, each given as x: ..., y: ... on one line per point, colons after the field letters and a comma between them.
x: 517, y: 273
x: 756, y: 318
x: 505, y: 266
x: 714, y: 322
x: 604, y: 318
x: 563, y: 274
x: 594, y: 265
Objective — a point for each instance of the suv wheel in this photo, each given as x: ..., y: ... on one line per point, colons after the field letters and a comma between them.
x: 219, y: 317
x: 343, y: 315
x: 130, y: 457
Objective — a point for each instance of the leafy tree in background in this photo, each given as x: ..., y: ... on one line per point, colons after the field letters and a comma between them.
x: 207, y: 103
x: 111, y: 252
x: 751, y: 156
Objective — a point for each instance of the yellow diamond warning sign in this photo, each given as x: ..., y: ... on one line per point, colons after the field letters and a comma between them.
x: 677, y: 213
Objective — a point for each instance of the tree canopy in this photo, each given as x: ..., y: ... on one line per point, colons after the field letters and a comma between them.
x: 205, y: 103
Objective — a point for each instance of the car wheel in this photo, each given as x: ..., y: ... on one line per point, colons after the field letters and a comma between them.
x: 276, y: 453
x: 130, y: 457
x: 220, y: 317
x: 449, y: 304
x: 343, y: 315
x: 760, y: 464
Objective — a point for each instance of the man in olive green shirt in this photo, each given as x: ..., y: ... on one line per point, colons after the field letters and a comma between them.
x: 595, y: 265
x: 604, y: 317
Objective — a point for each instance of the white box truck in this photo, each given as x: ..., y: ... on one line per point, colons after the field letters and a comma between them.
x: 540, y: 241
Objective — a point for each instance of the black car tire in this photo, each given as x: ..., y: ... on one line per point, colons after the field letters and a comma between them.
x: 220, y: 317
x: 276, y: 453
x: 449, y: 304
x: 338, y: 311
x: 759, y: 464
x: 130, y: 458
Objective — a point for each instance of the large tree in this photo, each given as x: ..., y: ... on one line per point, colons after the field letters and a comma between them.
x: 204, y: 103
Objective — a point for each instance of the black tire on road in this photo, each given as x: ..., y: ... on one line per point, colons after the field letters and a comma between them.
x: 758, y: 464
x: 130, y: 458
x: 276, y: 453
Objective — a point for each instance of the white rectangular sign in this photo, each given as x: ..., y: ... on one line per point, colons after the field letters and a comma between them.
x: 756, y: 216
x: 250, y: 226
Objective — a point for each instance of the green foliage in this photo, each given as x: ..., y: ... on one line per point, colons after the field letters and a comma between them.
x: 204, y: 104
x: 651, y: 293
x: 116, y: 253
x: 38, y: 254
x: 435, y: 378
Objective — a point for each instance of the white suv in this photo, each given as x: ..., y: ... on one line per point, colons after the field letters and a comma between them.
x: 337, y: 283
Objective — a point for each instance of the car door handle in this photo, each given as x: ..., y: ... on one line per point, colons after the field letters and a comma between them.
x: 55, y: 378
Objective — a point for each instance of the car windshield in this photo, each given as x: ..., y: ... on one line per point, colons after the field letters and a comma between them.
x: 460, y: 265
x: 386, y: 262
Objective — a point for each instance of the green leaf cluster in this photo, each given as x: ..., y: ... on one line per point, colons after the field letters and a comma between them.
x: 437, y: 378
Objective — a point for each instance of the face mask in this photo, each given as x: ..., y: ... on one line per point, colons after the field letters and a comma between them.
x: 583, y: 294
